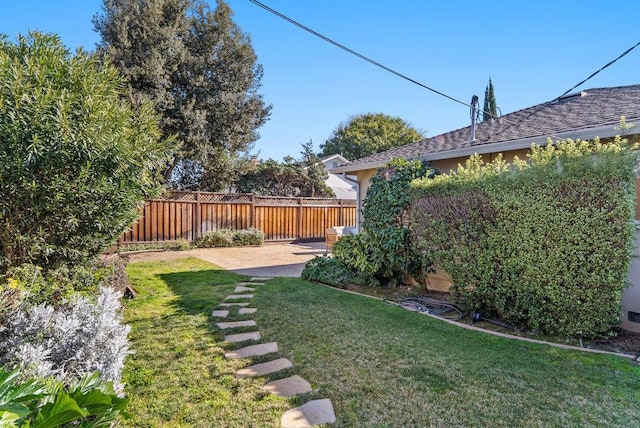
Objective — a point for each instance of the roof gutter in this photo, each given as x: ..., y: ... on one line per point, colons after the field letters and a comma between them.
x: 498, y: 147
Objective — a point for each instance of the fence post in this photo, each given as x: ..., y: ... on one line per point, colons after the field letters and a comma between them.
x: 197, y: 227
x: 252, y: 212
x: 340, y: 214
x: 300, y: 218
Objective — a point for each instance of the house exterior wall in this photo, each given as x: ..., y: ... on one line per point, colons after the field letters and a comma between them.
x: 364, y: 178
x: 630, y: 302
x: 637, y: 198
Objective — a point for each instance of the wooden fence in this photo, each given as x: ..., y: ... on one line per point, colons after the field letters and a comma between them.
x: 188, y: 215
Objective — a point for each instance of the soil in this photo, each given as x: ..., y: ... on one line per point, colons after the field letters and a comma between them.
x: 623, y: 341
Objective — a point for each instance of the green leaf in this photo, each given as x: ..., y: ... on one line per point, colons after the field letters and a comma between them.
x: 13, y: 392
x: 9, y: 419
x: 64, y: 409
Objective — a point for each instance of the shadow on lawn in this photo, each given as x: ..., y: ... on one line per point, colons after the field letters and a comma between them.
x: 200, y: 291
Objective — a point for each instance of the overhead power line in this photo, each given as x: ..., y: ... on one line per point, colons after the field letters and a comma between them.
x: 536, y: 111
x: 405, y: 77
x: 359, y: 55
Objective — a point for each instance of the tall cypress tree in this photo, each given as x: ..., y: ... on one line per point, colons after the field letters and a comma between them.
x: 490, y: 108
x: 198, y: 68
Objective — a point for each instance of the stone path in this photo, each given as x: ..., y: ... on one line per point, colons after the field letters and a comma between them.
x: 314, y: 412
x: 292, y: 385
x: 234, y: 304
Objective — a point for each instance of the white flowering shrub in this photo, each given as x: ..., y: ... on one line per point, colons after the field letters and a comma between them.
x: 69, y: 341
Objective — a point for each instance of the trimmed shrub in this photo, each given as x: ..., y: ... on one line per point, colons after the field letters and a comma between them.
x: 331, y: 271
x: 247, y: 237
x: 544, y: 245
x: 69, y: 341
x: 215, y: 238
x: 382, y: 250
x: 230, y: 238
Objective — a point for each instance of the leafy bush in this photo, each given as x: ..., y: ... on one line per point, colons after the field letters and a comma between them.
x: 76, y: 160
x: 545, y: 245
x: 329, y: 270
x: 248, y: 237
x: 382, y: 250
x: 215, y: 238
x: 230, y: 238
x: 89, y: 402
x: 39, y: 286
x: 69, y: 341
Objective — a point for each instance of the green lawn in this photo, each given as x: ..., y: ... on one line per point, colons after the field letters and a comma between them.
x: 178, y: 375
x: 380, y: 365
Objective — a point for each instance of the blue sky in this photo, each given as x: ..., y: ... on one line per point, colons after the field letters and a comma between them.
x: 533, y: 51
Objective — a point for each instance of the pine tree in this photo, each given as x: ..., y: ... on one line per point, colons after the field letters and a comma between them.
x: 490, y: 108
x: 199, y: 69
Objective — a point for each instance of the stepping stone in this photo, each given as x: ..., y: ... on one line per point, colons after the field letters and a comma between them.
x: 234, y: 304
x: 261, y: 278
x: 241, y: 337
x: 220, y: 314
x: 252, y: 351
x: 314, y: 412
x: 238, y: 296
x: 233, y: 324
x: 288, y: 386
x: 241, y: 288
x: 264, y: 368
x: 249, y: 283
x: 245, y: 311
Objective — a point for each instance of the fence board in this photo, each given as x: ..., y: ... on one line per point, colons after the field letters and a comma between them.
x: 187, y: 215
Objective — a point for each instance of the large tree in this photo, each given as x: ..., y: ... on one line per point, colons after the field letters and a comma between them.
x: 490, y: 108
x: 367, y: 134
x: 198, y: 68
x: 76, y: 161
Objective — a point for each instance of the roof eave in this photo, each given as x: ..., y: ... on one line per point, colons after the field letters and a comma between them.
x: 524, y: 143
x: 497, y: 147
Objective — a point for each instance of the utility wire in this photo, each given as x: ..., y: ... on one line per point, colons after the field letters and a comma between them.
x: 351, y: 51
x: 403, y: 76
x: 570, y: 89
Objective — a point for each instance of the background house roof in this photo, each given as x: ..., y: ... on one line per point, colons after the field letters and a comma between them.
x: 585, y: 115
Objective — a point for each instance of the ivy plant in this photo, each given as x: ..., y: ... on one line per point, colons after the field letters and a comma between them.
x: 383, y: 249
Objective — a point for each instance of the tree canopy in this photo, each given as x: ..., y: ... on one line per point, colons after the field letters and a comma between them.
x: 198, y: 68
x: 76, y: 161
x: 300, y: 178
x: 367, y: 134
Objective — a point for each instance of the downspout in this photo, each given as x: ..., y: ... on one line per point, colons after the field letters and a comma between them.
x: 345, y: 177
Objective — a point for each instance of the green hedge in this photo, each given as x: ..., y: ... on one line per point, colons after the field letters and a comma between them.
x: 545, y: 244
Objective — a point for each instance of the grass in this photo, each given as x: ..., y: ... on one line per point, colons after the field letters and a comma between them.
x: 178, y: 375
x: 380, y: 365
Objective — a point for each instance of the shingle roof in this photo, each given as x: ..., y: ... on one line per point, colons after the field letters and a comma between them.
x: 576, y: 114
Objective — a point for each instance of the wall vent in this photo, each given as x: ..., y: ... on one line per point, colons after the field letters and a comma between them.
x: 633, y: 316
